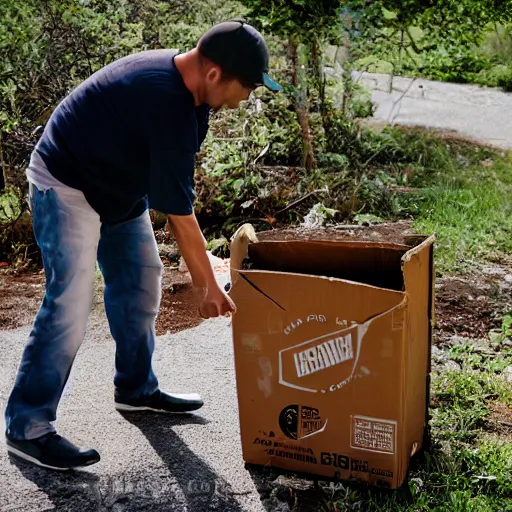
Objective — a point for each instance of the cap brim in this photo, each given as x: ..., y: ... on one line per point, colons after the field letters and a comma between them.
x: 271, y: 84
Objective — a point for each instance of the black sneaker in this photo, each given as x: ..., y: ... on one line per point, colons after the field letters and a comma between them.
x: 52, y: 451
x: 161, y: 402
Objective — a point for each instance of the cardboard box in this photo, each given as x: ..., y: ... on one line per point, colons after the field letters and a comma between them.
x: 332, y: 354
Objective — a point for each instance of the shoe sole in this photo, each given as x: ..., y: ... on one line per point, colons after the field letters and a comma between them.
x: 33, y: 460
x: 134, y: 408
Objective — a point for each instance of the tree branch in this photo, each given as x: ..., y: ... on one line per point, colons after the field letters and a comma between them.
x: 300, y: 200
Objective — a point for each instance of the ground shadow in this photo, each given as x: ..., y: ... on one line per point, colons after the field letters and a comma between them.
x: 201, y: 487
x: 286, y: 490
x: 189, y: 483
x: 75, y: 490
x: 290, y: 491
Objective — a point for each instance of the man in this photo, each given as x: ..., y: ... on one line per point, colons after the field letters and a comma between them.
x: 122, y: 141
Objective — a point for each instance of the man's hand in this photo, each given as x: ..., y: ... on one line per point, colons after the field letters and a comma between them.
x: 213, y: 301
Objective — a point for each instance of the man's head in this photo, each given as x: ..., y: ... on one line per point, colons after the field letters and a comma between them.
x: 232, y: 60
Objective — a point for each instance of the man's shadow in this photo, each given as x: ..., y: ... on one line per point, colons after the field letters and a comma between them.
x: 199, y: 486
x: 202, y: 488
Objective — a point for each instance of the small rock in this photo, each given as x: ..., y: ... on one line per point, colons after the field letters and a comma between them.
x: 452, y: 366
x: 508, y: 278
x: 493, y: 271
x: 507, y: 373
x: 458, y: 340
x: 438, y: 355
x: 507, y: 342
x: 436, y: 350
x: 298, y: 484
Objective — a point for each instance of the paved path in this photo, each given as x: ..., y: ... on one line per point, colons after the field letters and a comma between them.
x: 149, y: 461
x: 482, y: 114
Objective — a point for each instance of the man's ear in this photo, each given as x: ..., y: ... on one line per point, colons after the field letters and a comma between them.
x: 214, y: 75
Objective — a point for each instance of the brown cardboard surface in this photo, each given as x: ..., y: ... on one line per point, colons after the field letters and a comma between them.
x: 370, y: 263
x: 331, y: 373
x: 417, y: 266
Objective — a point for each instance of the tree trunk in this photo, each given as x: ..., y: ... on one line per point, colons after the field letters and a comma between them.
x: 318, y: 74
x: 301, y: 105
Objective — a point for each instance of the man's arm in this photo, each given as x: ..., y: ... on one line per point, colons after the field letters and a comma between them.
x: 192, y: 244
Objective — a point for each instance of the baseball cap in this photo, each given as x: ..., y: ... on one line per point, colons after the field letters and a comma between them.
x: 239, y: 50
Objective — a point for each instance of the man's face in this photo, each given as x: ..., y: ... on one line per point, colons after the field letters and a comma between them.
x: 219, y: 91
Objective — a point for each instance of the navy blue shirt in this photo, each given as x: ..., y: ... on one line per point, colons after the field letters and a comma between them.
x: 127, y: 138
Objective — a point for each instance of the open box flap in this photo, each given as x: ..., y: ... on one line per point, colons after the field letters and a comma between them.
x: 372, y: 263
x: 418, y: 269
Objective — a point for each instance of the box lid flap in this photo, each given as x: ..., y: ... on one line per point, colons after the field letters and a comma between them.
x: 373, y: 263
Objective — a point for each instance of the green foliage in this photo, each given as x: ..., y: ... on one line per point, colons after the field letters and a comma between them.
x: 459, y: 191
x: 497, y: 76
x: 360, y: 104
x: 306, y: 25
x: 296, y: 17
x: 439, y: 40
x: 374, y: 64
x: 10, y: 205
x: 497, y: 42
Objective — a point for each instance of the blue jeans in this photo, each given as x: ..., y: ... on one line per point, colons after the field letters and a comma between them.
x: 72, y: 238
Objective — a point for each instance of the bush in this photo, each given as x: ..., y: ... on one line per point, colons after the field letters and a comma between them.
x: 505, y: 79
x: 498, y: 76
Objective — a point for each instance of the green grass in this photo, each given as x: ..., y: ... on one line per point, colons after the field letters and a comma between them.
x: 471, y: 213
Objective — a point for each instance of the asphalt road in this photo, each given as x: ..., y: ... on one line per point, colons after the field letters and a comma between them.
x: 478, y: 113
x: 149, y: 461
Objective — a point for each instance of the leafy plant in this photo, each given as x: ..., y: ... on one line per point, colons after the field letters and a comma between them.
x: 438, y: 40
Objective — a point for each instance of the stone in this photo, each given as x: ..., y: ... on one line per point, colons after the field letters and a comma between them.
x: 452, y: 366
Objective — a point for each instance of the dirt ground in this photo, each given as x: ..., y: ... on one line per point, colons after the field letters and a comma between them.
x: 394, y: 233
x: 21, y: 295
x: 467, y: 305
x: 500, y: 421
x: 470, y: 306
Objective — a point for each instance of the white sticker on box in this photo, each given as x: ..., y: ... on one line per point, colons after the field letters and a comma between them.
x: 373, y: 434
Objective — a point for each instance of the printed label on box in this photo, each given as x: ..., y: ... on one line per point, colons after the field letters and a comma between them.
x: 373, y: 435
x: 327, y: 363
